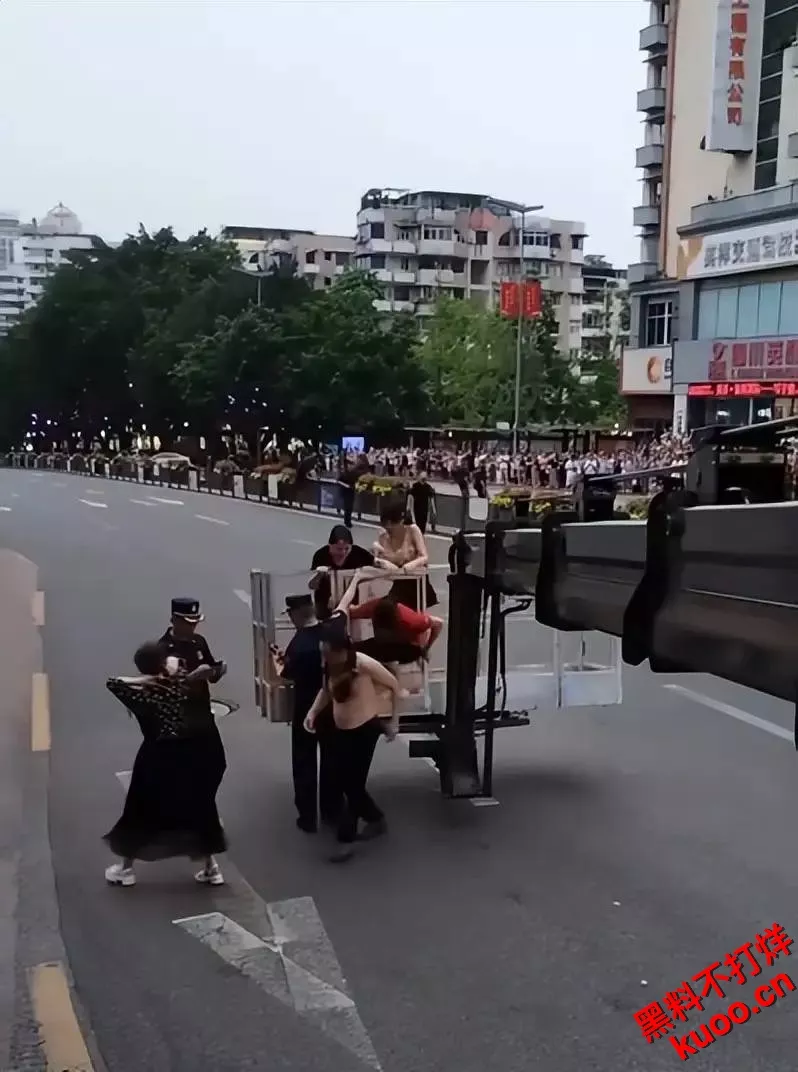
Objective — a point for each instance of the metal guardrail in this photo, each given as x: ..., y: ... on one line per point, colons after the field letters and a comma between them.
x: 312, y: 496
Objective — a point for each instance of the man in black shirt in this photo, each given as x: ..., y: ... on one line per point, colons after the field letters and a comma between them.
x: 315, y: 789
x: 182, y: 641
x: 339, y: 553
x: 423, y: 495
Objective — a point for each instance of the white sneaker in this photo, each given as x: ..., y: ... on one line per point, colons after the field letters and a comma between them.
x: 210, y: 876
x: 117, y: 875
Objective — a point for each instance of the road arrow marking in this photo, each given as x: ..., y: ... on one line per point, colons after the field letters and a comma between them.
x: 293, y: 962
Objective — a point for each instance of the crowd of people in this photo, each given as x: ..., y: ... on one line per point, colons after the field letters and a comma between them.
x: 346, y: 688
x: 533, y: 467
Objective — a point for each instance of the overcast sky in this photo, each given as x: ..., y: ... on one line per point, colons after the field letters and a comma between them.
x: 281, y: 113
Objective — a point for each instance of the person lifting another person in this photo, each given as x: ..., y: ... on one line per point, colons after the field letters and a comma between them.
x: 352, y: 684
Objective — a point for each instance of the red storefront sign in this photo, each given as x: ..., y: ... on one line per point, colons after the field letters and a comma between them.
x: 745, y: 389
x: 737, y: 62
x: 757, y: 359
x: 531, y: 295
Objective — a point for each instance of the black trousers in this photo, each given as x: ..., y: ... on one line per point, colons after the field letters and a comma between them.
x: 316, y: 787
x: 347, y: 504
x: 353, y: 751
x: 422, y: 516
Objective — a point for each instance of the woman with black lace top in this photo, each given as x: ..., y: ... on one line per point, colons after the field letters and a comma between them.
x: 170, y: 809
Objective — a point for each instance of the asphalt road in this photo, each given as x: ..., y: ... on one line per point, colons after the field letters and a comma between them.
x: 632, y: 845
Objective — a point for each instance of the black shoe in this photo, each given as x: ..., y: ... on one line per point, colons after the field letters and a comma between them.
x: 342, y: 855
x: 307, y: 826
x: 373, y: 830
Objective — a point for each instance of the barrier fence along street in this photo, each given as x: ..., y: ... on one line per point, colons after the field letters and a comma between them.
x: 319, y: 496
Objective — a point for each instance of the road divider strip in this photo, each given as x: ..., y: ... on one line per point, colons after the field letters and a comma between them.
x: 213, y: 520
x: 62, y: 1040
x: 40, y: 735
x: 733, y: 712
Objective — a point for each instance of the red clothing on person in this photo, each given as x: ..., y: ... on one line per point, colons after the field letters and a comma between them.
x: 411, y: 622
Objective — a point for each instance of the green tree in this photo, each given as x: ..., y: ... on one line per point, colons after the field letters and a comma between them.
x: 468, y: 357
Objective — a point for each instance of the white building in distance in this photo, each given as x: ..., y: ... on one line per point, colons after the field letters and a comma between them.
x: 30, y: 253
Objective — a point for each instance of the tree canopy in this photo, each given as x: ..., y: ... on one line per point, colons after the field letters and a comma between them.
x: 174, y: 337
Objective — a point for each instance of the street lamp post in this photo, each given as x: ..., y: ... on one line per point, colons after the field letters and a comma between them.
x: 515, y: 206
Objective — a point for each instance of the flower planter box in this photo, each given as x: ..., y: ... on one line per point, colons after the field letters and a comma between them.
x: 255, y: 487
x: 367, y: 504
x: 77, y: 465
x: 99, y: 468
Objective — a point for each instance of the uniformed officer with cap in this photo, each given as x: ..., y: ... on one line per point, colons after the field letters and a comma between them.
x: 315, y: 788
x: 182, y: 641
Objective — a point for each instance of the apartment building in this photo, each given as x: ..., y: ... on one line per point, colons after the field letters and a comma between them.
x: 714, y: 297
x: 30, y: 253
x: 605, y: 308
x: 422, y: 244
x: 317, y: 258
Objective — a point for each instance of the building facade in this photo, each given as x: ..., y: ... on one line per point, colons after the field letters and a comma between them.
x: 422, y: 244
x: 30, y: 253
x: 605, y: 308
x: 714, y: 327
x: 318, y: 258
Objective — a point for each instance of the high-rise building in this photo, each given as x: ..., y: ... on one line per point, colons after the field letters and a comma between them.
x: 714, y: 297
x: 30, y: 253
x: 426, y: 243
x: 316, y: 257
x: 605, y: 308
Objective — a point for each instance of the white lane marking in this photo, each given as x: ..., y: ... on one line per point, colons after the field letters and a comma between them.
x: 215, y: 520
x: 97, y: 505
x: 14, y: 494
x: 484, y: 802
x: 123, y: 777
x: 305, y: 543
x: 167, y: 502
x: 92, y: 491
x: 59, y: 484
x: 5, y: 509
x: 733, y: 712
x: 293, y: 960
x: 245, y: 597
x: 142, y: 502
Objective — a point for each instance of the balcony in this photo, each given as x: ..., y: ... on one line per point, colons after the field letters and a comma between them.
x: 654, y: 38
x: 430, y: 247
x: 382, y: 275
x: 406, y: 277
x: 651, y: 100
x: 403, y: 245
x: 647, y: 216
x: 777, y: 201
x: 641, y: 273
x: 649, y: 156
x: 310, y: 269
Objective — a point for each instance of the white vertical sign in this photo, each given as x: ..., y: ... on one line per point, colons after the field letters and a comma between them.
x: 736, y: 70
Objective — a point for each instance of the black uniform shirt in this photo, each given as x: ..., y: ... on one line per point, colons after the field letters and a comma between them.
x: 193, y: 651
x: 303, y: 667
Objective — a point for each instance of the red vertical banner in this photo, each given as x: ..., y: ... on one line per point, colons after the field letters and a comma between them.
x: 533, y: 299
x: 509, y: 299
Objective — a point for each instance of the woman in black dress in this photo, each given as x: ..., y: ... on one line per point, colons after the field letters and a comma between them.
x: 170, y: 809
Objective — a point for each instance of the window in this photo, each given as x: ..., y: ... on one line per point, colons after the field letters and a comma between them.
x: 480, y: 238
x: 577, y: 241
x: 377, y: 230
x: 310, y: 256
x: 659, y: 323
x: 554, y: 241
x: 404, y: 235
x: 342, y: 258
x: 404, y: 264
x: 438, y: 234
x: 748, y: 312
x: 401, y: 293
x: 327, y: 255
x: 377, y: 260
x: 727, y: 312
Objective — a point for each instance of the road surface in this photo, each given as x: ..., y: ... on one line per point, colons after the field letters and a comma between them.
x: 632, y: 846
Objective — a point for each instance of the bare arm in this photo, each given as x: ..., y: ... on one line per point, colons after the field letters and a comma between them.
x: 436, y: 628
x: 349, y: 595
x: 316, y: 708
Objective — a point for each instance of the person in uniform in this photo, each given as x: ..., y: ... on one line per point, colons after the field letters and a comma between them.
x: 316, y: 791
x: 339, y: 553
x: 182, y: 642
